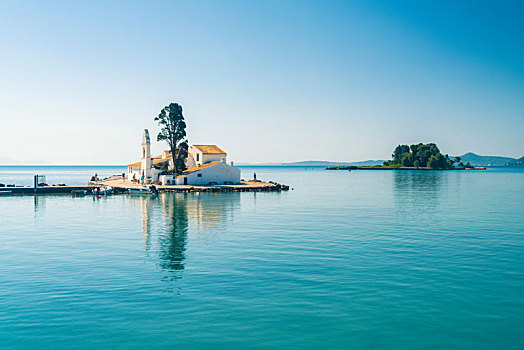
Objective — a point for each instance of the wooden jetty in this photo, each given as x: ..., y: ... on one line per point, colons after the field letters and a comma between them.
x: 120, y: 186
x: 245, y: 186
x: 19, y: 190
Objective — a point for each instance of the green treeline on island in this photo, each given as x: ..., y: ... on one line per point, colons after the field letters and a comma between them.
x: 416, y: 156
x: 422, y: 156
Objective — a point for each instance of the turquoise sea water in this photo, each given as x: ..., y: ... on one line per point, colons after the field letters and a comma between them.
x: 22, y: 175
x: 346, y: 260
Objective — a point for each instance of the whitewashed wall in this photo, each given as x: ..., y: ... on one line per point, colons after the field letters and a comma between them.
x: 190, y: 161
x: 138, y: 175
x: 166, y: 180
x: 206, y: 158
x: 202, y: 158
x: 192, y: 157
x: 219, y: 173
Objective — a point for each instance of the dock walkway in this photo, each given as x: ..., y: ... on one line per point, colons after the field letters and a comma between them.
x: 244, y: 186
x: 43, y: 190
x: 120, y: 186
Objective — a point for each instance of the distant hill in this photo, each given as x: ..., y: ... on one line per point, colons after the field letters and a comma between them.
x: 517, y: 163
x: 312, y: 163
x: 326, y: 163
x: 478, y: 160
x: 370, y: 162
x: 472, y: 158
x: 323, y: 163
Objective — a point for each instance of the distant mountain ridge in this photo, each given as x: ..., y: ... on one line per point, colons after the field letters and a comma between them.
x: 473, y: 158
x: 486, y: 161
x: 517, y: 163
x: 326, y: 163
x: 323, y: 163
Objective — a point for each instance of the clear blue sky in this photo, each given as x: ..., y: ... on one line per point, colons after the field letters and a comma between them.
x: 268, y: 81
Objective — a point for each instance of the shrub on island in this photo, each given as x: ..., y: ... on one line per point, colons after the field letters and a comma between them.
x: 421, y: 155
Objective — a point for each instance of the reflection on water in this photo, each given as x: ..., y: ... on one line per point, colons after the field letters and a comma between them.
x: 146, y: 206
x: 167, y: 220
x: 417, y: 190
x: 172, y: 237
x: 40, y: 202
x: 210, y: 213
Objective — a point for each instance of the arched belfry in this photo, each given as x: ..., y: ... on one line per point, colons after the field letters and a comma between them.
x: 147, y: 163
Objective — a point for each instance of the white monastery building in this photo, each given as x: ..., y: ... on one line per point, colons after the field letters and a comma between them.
x: 206, y: 165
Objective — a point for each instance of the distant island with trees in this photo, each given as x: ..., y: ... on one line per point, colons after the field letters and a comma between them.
x: 416, y: 156
x: 422, y: 156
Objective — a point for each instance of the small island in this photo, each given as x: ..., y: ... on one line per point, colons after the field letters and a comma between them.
x: 416, y: 157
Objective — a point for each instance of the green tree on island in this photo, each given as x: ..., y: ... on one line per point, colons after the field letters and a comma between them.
x: 399, y: 151
x: 173, y: 130
x: 420, y: 156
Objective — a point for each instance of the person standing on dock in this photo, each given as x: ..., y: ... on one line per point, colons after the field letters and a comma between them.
x: 255, y: 176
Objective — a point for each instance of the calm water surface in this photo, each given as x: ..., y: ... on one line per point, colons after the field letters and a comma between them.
x: 348, y: 260
x: 22, y: 175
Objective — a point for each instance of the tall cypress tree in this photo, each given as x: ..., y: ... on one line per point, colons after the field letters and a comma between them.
x: 173, y: 130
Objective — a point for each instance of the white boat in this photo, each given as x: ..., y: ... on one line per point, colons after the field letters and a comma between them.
x: 104, y: 190
x: 139, y: 190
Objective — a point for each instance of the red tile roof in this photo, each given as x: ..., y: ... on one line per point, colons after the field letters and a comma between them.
x: 209, y: 149
x: 155, y: 159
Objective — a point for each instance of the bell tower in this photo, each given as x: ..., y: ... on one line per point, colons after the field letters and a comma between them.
x: 146, y: 154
